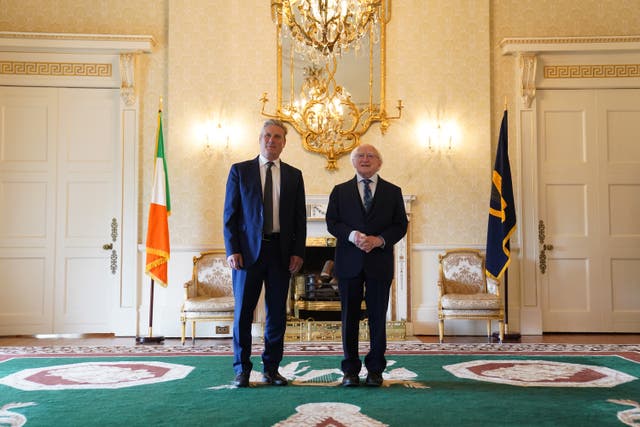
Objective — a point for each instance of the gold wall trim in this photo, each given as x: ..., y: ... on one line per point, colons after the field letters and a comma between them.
x: 73, y: 69
x: 597, y: 71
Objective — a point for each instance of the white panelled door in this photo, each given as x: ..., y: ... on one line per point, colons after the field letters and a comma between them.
x: 28, y: 128
x: 60, y: 203
x: 589, y: 204
x: 88, y: 203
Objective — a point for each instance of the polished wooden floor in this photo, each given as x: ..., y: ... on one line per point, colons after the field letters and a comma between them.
x: 110, y: 340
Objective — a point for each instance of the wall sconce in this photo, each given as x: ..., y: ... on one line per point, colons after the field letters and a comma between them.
x: 216, y: 137
x: 439, y: 137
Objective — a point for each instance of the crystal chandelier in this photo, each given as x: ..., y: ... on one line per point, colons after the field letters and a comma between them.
x: 312, y: 36
x: 326, y: 117
x: 326, y: 27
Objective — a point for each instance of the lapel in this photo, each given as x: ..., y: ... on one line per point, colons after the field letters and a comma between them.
x: 284, y: 181
x: 379, y: 194
x: 253, y: 178
x: 354, y: 191
x: 287, y: 194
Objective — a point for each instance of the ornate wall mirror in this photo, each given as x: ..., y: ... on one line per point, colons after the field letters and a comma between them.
x: 331, y: 94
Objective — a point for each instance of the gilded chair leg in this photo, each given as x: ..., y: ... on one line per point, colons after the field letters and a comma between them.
x: 489, y: 328
x: 441, y: 330
x: 193, y: 332
x: 501, y: 331
x: 184, y: 331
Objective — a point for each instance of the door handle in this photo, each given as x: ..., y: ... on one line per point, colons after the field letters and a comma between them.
x: 542, y: 258
x: 109, y: 246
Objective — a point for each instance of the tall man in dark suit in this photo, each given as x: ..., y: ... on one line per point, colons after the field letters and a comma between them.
x: 264, y: 238
x: 367, y: 216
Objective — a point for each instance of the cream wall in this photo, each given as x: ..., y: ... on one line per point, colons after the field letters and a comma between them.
x: 214, y: 59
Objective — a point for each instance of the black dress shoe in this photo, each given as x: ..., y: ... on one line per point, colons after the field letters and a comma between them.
x: 274, y: 378
x: 242, y: 380
x: 350, y: 380
x: 374, y: 379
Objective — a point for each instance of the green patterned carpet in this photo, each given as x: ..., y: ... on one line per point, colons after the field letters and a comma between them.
x: 424, y: 386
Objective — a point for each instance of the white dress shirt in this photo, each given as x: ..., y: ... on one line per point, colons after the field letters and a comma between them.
x: 372, y: 186
x: 275, y: 177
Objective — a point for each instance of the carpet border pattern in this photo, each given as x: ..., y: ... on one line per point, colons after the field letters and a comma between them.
x: 408, y: 347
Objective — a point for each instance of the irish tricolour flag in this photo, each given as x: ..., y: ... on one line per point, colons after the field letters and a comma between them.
x: 159, y: 210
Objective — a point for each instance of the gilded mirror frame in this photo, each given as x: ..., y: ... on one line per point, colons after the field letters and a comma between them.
x: 327, y: 84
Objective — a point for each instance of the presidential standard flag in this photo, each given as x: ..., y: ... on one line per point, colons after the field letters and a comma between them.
x: 502, y: 212
x: 158, y: 249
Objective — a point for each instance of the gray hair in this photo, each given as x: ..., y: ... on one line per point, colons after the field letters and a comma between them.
x: 356, y: 150
x: 274, y: 122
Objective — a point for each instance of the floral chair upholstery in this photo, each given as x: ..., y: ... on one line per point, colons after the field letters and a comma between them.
x: 466, y: 292
x: 208, y: 296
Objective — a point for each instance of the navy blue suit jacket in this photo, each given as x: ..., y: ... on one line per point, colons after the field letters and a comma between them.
x: 386, y: 218
x: 244, y: 212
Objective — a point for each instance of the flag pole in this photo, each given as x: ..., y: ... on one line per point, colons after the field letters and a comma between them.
x: 151, y: 339
x: 151, y: 308
x: 502, y: 222
x: 507, y: 335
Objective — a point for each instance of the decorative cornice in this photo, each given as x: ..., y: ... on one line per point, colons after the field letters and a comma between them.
x: 71, y: 69
x: 576, y: 44
x: 75, y: 43
x: 73, y: 36
x: 21, y: 54
x: 595, y: 71
x: 570, y: 40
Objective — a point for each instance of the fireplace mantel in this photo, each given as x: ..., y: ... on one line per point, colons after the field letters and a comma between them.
x: 400, y: 301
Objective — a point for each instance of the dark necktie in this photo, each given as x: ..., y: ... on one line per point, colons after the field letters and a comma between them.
x: 368, y: 198
x: 268, y: 201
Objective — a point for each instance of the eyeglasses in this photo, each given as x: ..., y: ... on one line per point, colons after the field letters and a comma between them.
x: 367, y: 155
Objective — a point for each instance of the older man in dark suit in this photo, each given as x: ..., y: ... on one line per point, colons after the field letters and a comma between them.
x: 265, y: 228
x: 367, y: 216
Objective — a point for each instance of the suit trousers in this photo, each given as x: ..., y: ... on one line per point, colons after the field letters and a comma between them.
x: 376, y: 295
x: 247, y: 284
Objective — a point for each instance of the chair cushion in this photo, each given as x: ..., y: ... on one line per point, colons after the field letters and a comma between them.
x: 202, y: 304
x: 480, y: 301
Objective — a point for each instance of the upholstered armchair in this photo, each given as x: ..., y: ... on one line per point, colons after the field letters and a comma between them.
x: 208, y: 296
x: 466, y: 292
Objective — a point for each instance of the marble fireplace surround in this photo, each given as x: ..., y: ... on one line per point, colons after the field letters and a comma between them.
x: 400, y: 300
